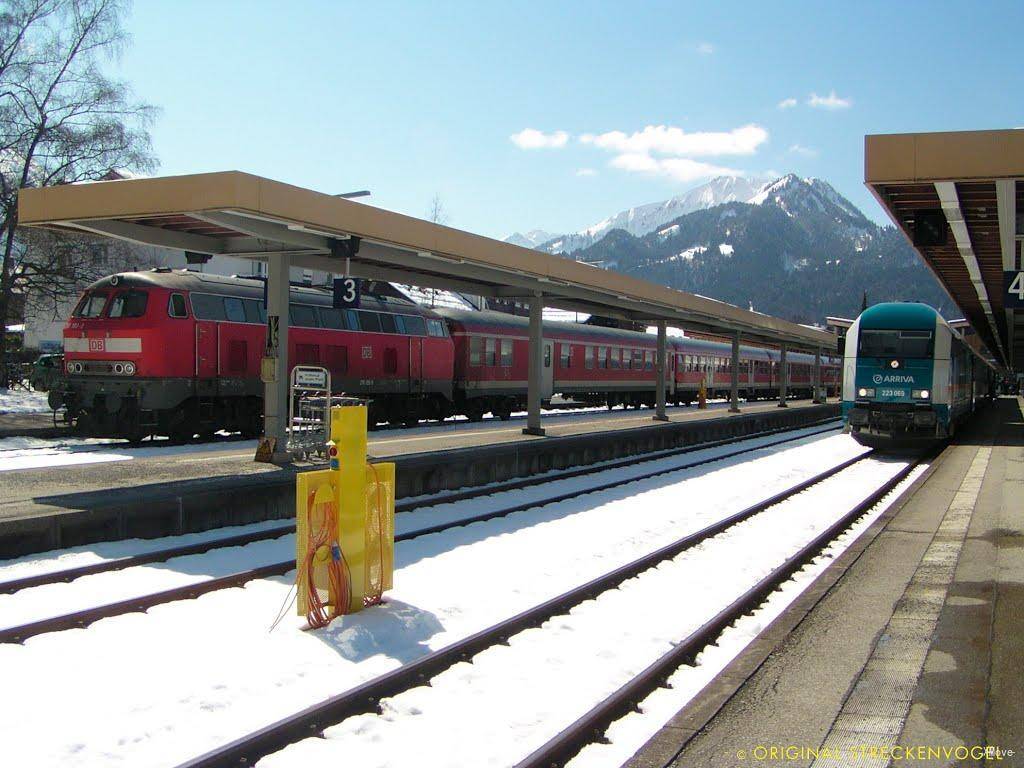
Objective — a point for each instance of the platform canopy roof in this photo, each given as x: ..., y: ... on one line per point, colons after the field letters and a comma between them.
x: 238, y: 214
x: 959, y: 199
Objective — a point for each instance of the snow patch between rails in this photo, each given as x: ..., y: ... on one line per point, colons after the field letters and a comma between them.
x: 628, y: 734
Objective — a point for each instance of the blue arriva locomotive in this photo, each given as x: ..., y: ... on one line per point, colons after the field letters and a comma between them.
x: 909, y: 379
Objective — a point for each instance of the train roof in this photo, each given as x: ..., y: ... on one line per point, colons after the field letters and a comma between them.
x: 900, y: 314
x: 482, y: 321
x: 248, y: 287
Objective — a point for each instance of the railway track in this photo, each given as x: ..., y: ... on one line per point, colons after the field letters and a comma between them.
x: 365, y: 698
x: 84, y: 617
x: 161, y: 555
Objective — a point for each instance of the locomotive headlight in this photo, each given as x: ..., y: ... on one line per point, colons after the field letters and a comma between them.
x: 129, y: 369
x: 866, y: 392
x: 921, y: 394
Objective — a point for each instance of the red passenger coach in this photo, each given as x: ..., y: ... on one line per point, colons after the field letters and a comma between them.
x: 589, y: 363
x: 178, y: 353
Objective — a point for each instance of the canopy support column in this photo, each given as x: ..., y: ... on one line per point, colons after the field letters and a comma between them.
x: 275, y: 391
x: 783, y: 377
x: 659, y: 367
x: 734, y: 394
x: 536, y: 365
x: 819, y: 390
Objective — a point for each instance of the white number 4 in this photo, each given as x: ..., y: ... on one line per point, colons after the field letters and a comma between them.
x: 1017, y: 286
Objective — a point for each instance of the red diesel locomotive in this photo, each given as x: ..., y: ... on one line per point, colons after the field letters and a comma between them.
x: 178, y: 353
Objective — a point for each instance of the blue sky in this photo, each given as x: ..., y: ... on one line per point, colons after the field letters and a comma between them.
x: 411, y: 100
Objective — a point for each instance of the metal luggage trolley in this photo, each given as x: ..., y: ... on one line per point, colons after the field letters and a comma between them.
x: 309, y: 410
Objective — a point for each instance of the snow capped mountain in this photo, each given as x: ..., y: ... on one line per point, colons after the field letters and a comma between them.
x: 647, y: 218
x: 531, y: 239
x: 795, y: 195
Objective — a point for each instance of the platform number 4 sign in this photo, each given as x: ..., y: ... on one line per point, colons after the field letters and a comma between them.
x: 1014, y: 293
x: 346, y: 293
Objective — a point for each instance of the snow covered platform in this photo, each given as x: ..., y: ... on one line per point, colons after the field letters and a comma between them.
x: 79, y: 492
x: 907, y: 648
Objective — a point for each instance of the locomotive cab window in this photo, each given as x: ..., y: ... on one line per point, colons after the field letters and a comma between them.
x: 435, y: 328
x: 129, y: 304
x: 176, y: 306
x: 895, y: 343
x: 414, y: 325
x: 92, y: 304
x: 302, y: 315
x: 234, y: 309
x: 387, y: 323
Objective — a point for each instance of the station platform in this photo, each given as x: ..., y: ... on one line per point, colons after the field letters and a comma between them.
x: 908, y: 649
x: 122, y: 492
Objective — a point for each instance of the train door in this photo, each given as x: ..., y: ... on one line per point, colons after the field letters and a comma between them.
x: 206, y: 349
x: 547, y: 372
x: 415, y: 364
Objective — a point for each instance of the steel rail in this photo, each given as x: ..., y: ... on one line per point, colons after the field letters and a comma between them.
x: 365, y: 697
x: 84, y: 617
x: 157, y: 556
x: 592, y: 726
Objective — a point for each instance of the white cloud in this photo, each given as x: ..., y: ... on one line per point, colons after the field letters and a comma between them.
x: 678, y: 168
x: 787, y: 103
x: 800, y: 149
x: 705, y: 49
x: 828, y: 102
x: 530, y: 138
x: 670, y: 140
x: 586, y: 172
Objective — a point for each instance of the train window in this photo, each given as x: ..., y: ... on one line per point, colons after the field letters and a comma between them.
x: 176, y: 306
x: 613, y: 358
x: 414, y: 325
x: 638, y: 359
x: 506, y: 353
x: 302, y: 315
x: 895, y: 343
x: 254, y: 311
x: 91, y: 304
x: 207, y: 307
x: 588, y: 358
x: 234, y: 309
x: 627, y: 359
x: 602, y: 357
x: 476, y: 349
x: 330, y: 318
x: 352, y: 320
x: 649, y: 360
x: 564, y: 354
x: 435, y: 328
x: 369, y: 321
x: 387, y: 323
x: 128, y: 304
x: 489, y: 351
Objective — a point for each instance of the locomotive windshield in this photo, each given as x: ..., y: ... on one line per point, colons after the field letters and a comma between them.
x: 128, y: 304
x: 92, y: 304
x: 895, y: 343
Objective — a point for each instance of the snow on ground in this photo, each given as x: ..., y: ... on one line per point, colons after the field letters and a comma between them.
x: 630, y: 733
x: 160, y: 687
x: 510, y: 699
x: 90, y: 591
x: 23, y: 401
x: 35, y: 453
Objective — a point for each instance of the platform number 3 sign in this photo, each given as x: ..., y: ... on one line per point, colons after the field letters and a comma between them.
x: 1013, y: 282
x: 346, y: 293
